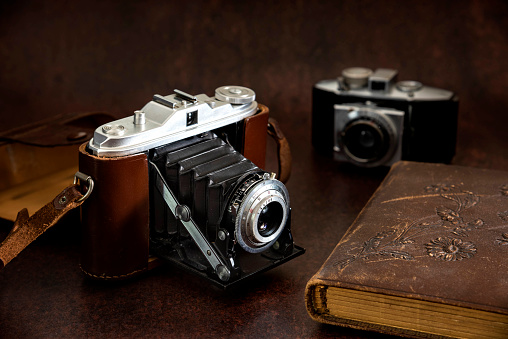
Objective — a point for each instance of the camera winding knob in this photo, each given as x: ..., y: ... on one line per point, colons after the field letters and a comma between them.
x: 409, y: 86
x: 237, y: 95
x: 356, y: 77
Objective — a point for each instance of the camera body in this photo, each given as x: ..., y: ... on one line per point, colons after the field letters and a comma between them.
x: 182, y: 181
x: 369, y: 119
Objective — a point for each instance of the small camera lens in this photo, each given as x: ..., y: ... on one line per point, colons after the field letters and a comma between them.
x: 365, y: 141
x: 270, y: 219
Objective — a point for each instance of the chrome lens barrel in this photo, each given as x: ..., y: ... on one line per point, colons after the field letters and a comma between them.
x: 262, y: 209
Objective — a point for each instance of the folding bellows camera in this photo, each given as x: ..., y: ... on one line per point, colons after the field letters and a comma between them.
x: 181, y: 180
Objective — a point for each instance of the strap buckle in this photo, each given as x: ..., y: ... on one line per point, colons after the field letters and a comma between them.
x: 84, y: 177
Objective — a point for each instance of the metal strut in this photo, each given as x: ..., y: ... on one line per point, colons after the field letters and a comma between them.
x: 182, y: 213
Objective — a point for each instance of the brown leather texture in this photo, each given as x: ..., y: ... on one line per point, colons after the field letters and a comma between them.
x: 254, y: 136
x: 431, y: 232
x: 40, y: 149
x: 26, y: 229
x: 58, y: 130
x: 116, y: 216
x: 284, y: 161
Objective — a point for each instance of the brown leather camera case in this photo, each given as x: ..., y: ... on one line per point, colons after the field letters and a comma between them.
x: 115, y: 216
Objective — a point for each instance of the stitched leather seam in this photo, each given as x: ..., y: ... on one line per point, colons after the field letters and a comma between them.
x: 106, y: 277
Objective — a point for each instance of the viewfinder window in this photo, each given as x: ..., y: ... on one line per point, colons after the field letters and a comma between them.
x: 192, y: 118
x: 377, y: 85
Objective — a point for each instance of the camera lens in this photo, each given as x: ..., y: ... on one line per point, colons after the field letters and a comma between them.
x: 270, y: 219
x: 262, y: 209
x: 365, y: 140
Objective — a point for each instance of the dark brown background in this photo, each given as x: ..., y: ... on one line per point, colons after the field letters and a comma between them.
x: 60, y: 57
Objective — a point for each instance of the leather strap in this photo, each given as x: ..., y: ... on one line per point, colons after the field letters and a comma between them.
x: 26, y: 229
x: 283, y: 150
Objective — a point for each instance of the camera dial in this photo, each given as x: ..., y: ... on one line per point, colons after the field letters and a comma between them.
x: 261, y: 204
x: 236, y: 95
x: 356, y: 77
x: 409, y: 86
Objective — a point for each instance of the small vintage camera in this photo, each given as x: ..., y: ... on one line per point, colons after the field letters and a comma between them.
x: 182, y: 181
x: 368, y: 119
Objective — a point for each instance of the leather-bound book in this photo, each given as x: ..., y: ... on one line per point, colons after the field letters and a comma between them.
x: 427, y: 257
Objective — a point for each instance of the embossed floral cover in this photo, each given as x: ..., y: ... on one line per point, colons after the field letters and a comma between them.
x: 430, y: 232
